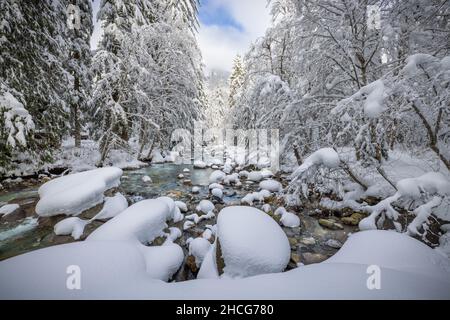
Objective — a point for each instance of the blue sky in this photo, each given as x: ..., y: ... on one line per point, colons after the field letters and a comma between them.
x: 219, y: 15
x: 227, y: 28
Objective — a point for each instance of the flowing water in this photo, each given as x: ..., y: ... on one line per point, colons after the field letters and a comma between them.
x: 23, y: 231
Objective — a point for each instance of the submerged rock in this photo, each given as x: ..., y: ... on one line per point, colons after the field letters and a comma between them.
x: 330, y: 224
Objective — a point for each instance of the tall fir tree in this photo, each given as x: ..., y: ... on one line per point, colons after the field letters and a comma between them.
x: 236, y: 81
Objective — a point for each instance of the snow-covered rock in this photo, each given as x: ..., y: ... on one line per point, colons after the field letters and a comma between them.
x: 199, y: 164
x: 231, y: 179
x: 251, y: 242
x: 255, y: 176
x: 162, y: 261
x: 218, y: 193
x: 147, y: 179
x: 186, y: 170
x: 195, y: 189
x: 290, y: 220
x: 188, y: 224
x: 271, y: 185
x: 198, y: 248
x: 217, y: 176
x: 266, y: 173
x: 75, y: 193
x: 112, y: 207
x: 172, y: 207
x: 243, y: 174
x: 266, y: 208
x: 174, y: 234
x: 143, y: 221
x: 182, y: 206
x: 216, y: 186
x: 205, y: 206
x: 70, y: 226
x: 8, y: 209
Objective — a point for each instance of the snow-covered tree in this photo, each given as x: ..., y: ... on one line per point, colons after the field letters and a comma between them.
x: 236, y: 80
x: 78, y: 65
x: 35, y: 45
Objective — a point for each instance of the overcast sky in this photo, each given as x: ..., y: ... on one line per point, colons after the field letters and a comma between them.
x: 227, y: 28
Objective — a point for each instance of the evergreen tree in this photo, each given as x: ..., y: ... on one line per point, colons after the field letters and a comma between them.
x: 236, y: 81
x: 78, y: 64
x: 33, y: 50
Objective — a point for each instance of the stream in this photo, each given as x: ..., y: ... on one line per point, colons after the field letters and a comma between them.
x: 24, y: 231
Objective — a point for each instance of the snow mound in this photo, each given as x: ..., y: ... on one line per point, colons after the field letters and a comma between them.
x: 199, y: 164
x: 251, y: 242
x: 118, y: 270
x: 270, y: 185
x: 75, y: 193
x: 394, y: 250
x: 182, y: 206
x: 218, y: 193
x: 71, y: 226
x: 198, y: 248
x: 216, y: 186
x: 290, y: 220
x: 172, y: 207
x: 205, y: 206
x: 112, y: 207
x: 217, y: 176
x: 432, y: 183
x: 163, y: 261
x: 255, y: 176
x: 143, y: 221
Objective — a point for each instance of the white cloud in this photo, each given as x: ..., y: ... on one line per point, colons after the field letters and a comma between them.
x: 220, y: 44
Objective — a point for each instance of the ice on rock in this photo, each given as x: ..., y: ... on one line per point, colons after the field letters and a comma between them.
x: 218, y: 193
x: 112, y: 207
x: 252, y: 242
x: 217, y: 176
x: 270, y: 185
x: 147, y: 179
x: 198, y: 248
x: 205, y: 206
x: 144, y: 221
x: 290, y: 220
x: 182, y: 206
x: 75, y: 193
x: 8, y: 209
